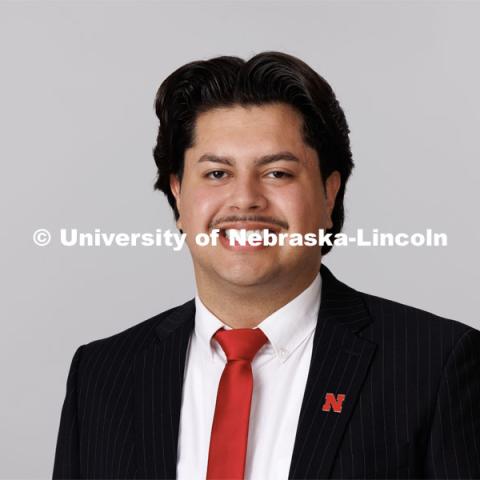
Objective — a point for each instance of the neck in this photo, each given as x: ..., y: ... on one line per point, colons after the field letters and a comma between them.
x: 247, y: 306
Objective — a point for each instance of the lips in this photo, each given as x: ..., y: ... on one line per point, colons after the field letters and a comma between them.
x: 245, y: 236
x: 249, y: 227
x: 238, y: 233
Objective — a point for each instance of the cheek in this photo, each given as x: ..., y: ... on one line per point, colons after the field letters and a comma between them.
x: 198, y: 208
x: 303, y: 208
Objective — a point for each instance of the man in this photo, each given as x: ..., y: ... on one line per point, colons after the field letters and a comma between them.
x: 276, y: 369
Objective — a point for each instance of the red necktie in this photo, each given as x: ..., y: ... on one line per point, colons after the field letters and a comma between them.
x: 229, y: 437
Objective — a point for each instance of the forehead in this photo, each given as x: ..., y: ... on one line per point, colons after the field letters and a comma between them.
x: 276, y: 124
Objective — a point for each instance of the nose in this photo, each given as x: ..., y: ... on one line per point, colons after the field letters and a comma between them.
x: 247, y: 195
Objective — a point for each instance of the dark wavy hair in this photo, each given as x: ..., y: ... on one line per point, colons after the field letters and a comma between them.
x: 269, y: 77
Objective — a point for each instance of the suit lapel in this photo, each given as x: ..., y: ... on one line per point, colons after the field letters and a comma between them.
x: 158, y: 372
x: 339, y: 364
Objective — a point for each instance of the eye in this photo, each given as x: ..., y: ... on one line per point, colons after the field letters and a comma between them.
x: 216, y: 174
x: 279, y: 174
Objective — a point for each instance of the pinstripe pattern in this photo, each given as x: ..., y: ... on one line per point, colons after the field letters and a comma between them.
x: 411, y: 380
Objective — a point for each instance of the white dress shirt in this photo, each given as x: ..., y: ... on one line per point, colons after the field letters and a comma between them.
x: 280, y: 371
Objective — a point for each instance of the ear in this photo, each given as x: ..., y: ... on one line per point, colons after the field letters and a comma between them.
x: 175, y: 187
x: 332, y: 185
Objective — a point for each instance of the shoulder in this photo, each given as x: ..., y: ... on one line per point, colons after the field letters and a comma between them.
x: 127, y: 343
x: 385, y: 310
x: 395, y: 324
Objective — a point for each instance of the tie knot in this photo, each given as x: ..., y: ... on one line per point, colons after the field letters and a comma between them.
x: 240, y: 343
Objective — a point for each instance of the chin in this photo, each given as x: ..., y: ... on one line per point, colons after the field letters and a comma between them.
x: 247, y: 276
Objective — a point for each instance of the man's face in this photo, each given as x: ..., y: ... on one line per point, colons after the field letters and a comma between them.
x: 249, y: 168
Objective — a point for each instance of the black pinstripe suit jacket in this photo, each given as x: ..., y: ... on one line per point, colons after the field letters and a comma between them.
x: 411, y: 382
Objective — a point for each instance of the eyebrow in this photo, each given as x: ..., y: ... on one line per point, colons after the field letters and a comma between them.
x: 264, y: 160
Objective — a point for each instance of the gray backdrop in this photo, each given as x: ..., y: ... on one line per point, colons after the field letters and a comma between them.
x: 77, y: 125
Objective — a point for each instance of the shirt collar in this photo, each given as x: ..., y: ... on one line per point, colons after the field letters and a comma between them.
x: 286, y: 328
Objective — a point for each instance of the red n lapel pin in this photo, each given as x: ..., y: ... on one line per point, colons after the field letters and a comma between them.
x: 333, y: 402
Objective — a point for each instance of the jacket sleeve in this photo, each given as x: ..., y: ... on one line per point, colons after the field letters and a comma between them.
x: 67, y: 462
x: 453, y: 448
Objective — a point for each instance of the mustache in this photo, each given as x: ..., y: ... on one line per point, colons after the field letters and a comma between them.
x: 249, y: 218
